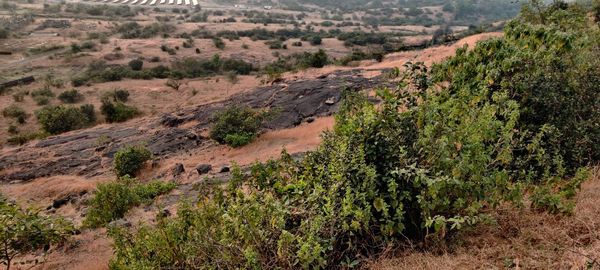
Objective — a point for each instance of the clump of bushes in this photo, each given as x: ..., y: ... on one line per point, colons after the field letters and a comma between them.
x: 70, y: 96
x: 59, y: 119
x: 111, y: 201
x: 129, y: 160
x: 237, y: 125
x: 422, y: 164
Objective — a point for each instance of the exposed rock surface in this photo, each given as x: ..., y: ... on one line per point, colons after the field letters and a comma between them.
x: 89, y: 152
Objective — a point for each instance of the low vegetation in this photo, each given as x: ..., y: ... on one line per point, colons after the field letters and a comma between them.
x: 237, y: 125
x: 59, y: 119
x: 129, y: 160
x: 70, y: 96
x: 16, y: 112
x: 515, y: 116
x: 112, y: 200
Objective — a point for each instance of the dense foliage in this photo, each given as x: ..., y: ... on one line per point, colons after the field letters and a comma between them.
x: 59, y: 119
x: 25, y: 230
x: 111, y: 201
x: 129, y: 160
x: 237, y: 125
x: 515, y: 116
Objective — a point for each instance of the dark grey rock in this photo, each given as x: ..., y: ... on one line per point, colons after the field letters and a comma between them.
x: 203, y: 168
x: 178, y: 169
x: 225, y: 169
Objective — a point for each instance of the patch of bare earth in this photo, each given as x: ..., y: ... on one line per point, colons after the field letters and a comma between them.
x: 521, y: 239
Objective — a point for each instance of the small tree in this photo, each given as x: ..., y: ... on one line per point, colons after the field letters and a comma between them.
x: 24, y: 231
x: 129, y: 160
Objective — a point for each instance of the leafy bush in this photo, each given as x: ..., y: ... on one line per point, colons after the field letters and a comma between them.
x: 129, y: 160
x: 437, y: 154
x: 117, y: 111
x: 15, y: 112
x: 70, y: 96
x: 236, y: 125
x: 117, y: 95
x: 136, y: 64
x: 23, y: 231
x: 111, y: 201
x: 59, y: 119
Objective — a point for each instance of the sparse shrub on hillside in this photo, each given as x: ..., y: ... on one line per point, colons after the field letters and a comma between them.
x: 136, y: 64
x: 20, y: 96
x: 44, y: 91
x: 111, y: 201
x: 133, y: 30
x: 4, y: 33
x: 219, y: 44
x: 117, y: 95
x: 237, y: 125
x: 16, y: 112
x: 24, y: 231
x: 315, y: 40
x: 174, y: 83
x: 70, y: 96
x: 129, y: 160
x: 59, y: 119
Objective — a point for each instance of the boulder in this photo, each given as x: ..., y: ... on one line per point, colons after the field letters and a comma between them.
x: 203, y: 168
x: 178, y: 169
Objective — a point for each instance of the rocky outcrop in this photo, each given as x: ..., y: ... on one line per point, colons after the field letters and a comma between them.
x: 89, y: 152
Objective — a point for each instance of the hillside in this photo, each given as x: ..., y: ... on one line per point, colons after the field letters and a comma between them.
x: 255, y: 135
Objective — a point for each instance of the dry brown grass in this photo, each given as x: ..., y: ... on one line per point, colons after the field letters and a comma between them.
x: 520, y: 239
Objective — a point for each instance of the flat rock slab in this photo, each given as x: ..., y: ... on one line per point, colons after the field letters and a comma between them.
x: 90, y: 152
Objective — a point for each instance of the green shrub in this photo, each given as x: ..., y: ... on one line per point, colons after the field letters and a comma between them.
x: 111, y: 201
x: 20, y: 96
x: 45, y: 92
x: 89, y: 112
x: 41, y: 100
x: 16, y: 112
x: 435, y: 155
x: 23, y: 138
x: 42, y: 96
x: 117, y: 95
x: 315, y: 40
x: 129, y: 160
x: 136, y: 64
x: 70, y: 96
x: 24, y: 231
x: 117, y: 111
x: 236, y: 125
x: 59, y: 119
x: 219, y: 44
